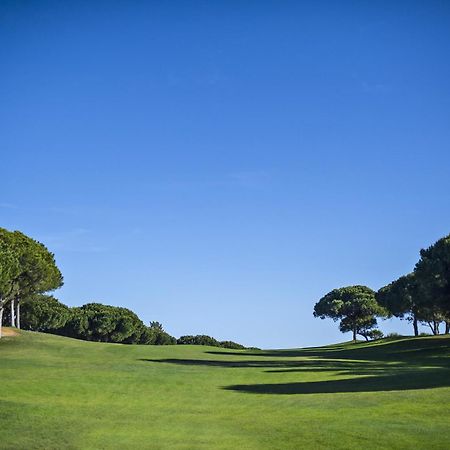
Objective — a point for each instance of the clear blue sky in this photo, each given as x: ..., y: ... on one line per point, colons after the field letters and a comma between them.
x: 219, y: 166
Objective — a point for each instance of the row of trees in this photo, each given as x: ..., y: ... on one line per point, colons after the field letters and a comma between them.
x: 28, y: 272
x: 102, y: 323
x: 421, y: 297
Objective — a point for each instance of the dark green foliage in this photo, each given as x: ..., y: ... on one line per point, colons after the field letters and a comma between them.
x: 103, y: 323
x: 26, y: 268
x: 231, y: 344
x: 200, y: 339
x: 43, y: 313
x: 33, y: 269
x: 401, y: 299
x: 354, y: 306
x: 208, y: 340
x: 375, y: 334
x: 155, y: 335
x: 433, y: 275
x: 424, y: 295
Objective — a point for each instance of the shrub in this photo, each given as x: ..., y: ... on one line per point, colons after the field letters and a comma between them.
x: 393, y: 335
x: 200, y: 339
x: 231, y: 344
x: 43, y: 313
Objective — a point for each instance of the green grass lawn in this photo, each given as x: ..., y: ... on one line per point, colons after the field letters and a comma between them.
x: 59, y: 393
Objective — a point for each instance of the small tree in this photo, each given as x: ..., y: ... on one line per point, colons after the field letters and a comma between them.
x: 354, y: 306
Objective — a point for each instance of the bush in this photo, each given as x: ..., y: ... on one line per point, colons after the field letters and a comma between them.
x: 153, y: 336
x: 375, y: 334
x: 393, y: 335
x: 231, y: 344
x: 43, y: 313
x: 200, y: 339
x: 103, y: 323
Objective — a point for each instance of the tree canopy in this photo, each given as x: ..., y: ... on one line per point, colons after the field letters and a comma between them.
x: 433, y: 274
x: 401, y: 299
x: 44, y: 313
x: 26, y: 268
x: 355, y: 307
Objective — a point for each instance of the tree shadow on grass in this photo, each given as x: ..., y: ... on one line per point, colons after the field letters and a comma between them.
x: 283, y: 365
x: 402, y: 364
x: 394, y: 382
x: 384, y: 350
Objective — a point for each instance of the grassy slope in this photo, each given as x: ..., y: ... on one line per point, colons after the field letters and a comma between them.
x: 61, y: 393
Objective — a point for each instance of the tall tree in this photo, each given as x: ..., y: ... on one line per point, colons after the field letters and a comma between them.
x: 9, y: 270
x: 401, y: 299
x: 37, y: 270
x: 354, y: 306
x: 433, y: 275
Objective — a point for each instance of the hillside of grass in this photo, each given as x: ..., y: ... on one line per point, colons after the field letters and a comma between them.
x: 59, y: 393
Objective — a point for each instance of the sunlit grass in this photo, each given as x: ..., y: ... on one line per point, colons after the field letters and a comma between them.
x: 62, y: 393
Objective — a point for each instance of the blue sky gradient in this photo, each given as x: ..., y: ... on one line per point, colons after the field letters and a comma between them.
x: 219, y: 166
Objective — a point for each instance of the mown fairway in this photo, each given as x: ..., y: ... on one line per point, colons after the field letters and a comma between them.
x: 61, y: 393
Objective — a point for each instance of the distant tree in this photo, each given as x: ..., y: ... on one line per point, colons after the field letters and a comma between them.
x: 401, y: 299
x: 198, y: 340
x: 433, y: 276
x: 163, y: 338
x: 375, y: 334
x: 354, y: 306
x: 154, y: 325
x: 44, y: 313
x: 103, y: 323
x: 155, y: 335
x: 231, y: 344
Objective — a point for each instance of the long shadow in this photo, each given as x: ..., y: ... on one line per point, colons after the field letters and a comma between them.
x: 313, y: 365
x: 419, y: 363
x: 396, y: 382
x: 407, y: 348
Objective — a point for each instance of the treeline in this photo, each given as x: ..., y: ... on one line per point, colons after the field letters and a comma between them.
x: 101, y: 323
x: 28, y: 273
x: 90, y: 322
x: 421, y: 297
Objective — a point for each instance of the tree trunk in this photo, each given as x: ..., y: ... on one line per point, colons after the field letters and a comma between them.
x: 1, y: 317
x: 18, y: 314
x: 436, y: 327
x: 447, y: 327
x: 354, y: 334
x: 13, y: 321
x: 416, y: 327
x: 432, y: 328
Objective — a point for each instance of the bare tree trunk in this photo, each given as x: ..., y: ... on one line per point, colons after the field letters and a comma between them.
x: 354, y: 334
x: 436, y: 327
x: 432, y: 327
x: 1, y: 317
x: 447, y: 326
x: 416, y: 328
x: 18, y: 314
x: 13, y: 321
